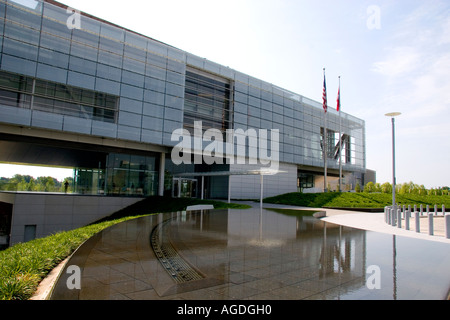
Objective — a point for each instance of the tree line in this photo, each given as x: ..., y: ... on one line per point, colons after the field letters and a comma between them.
x: 41, y: 184
x: 404, y: 188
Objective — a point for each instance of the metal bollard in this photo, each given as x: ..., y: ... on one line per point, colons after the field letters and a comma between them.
x: 447, y: 225
x: 399, y: 218
x: 443, y: 210
x: 428, y: 208
x: 421, y: 209
x: 393, y: 214
x: 435, y: 210
x: 417, y: 218
x: 415, y: 207
x: 430, y: 224
x: 407, y: 214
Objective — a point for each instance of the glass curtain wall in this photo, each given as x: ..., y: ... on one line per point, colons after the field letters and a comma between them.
x: 89, y: 181
x: 207, y: 99
x: 26, y: 92
x: 131, y: 175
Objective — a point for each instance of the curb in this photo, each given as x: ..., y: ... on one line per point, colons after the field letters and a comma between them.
x: 45, y: 287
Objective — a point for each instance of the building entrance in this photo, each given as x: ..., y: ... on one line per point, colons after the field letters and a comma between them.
x: 184, y: 188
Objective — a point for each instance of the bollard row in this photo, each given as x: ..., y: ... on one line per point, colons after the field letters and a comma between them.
x: 394, y: 216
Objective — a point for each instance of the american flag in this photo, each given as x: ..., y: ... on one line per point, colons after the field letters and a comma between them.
x: 324, y: 96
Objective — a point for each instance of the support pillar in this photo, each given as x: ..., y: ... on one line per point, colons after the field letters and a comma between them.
x: 229, y: 188
x: 262, y: 191
x: 203, y: 188
x: 162, y: 165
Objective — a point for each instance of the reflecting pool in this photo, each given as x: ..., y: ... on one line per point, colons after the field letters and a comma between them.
x: 258, y: 254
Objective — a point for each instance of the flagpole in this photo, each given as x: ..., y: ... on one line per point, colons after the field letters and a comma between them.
x: 325, y: 153
x: 340, y: 137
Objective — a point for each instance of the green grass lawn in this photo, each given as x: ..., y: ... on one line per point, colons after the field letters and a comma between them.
x: 356, y: 200
x: 24, y: 265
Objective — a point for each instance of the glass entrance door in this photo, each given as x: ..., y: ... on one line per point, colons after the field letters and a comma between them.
x: 184, y: 188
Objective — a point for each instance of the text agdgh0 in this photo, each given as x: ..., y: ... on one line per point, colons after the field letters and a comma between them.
x: 226, y: 310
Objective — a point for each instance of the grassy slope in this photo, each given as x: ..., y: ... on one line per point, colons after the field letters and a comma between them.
x: 355, y: 200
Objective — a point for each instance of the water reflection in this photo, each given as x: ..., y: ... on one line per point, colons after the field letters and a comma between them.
x: 253, y: 254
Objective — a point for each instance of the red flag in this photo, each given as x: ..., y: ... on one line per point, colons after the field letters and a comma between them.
x: 324, y: 96
x: 339, y: 99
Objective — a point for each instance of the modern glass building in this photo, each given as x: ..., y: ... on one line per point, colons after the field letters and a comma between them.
x: 81, y: 92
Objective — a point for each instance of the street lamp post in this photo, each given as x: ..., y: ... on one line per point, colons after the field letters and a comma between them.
x: 393, y: 115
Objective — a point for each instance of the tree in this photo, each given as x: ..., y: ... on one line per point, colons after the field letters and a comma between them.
x: 386, y: 187
x: 46, y: 184
x: 369, y: 187
x: 377, y: 187
x: 358, y: 188
x: 422, y: 190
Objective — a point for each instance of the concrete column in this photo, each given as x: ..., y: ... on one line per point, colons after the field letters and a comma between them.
x: 435, y: 210
x: 417, y: 220
x: 443, y: 210
x: 399, y: 218
x: 203, y: 188
x: 393, y: 217
x: 162, y: 168
x: 229, y: 188
x: 262, y: 192
x: 421, y: 209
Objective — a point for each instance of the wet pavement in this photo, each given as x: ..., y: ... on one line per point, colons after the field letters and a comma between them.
x: 253, y: 254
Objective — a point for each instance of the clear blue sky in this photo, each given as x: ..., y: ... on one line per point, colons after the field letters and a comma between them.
x: 391, y: 56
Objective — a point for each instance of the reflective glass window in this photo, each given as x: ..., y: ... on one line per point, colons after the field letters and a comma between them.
x: 83, y: 51
x: 207, y: 99
x: 26, y: 17
x: 17, y: 90
x: 55, y: 43
x: 54, y: 58
x: 24, y: 34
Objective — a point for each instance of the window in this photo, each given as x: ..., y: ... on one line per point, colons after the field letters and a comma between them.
x: 25, y: 92
x: 207, y: 99
x: 304, y: 180
x: 15, y: 90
